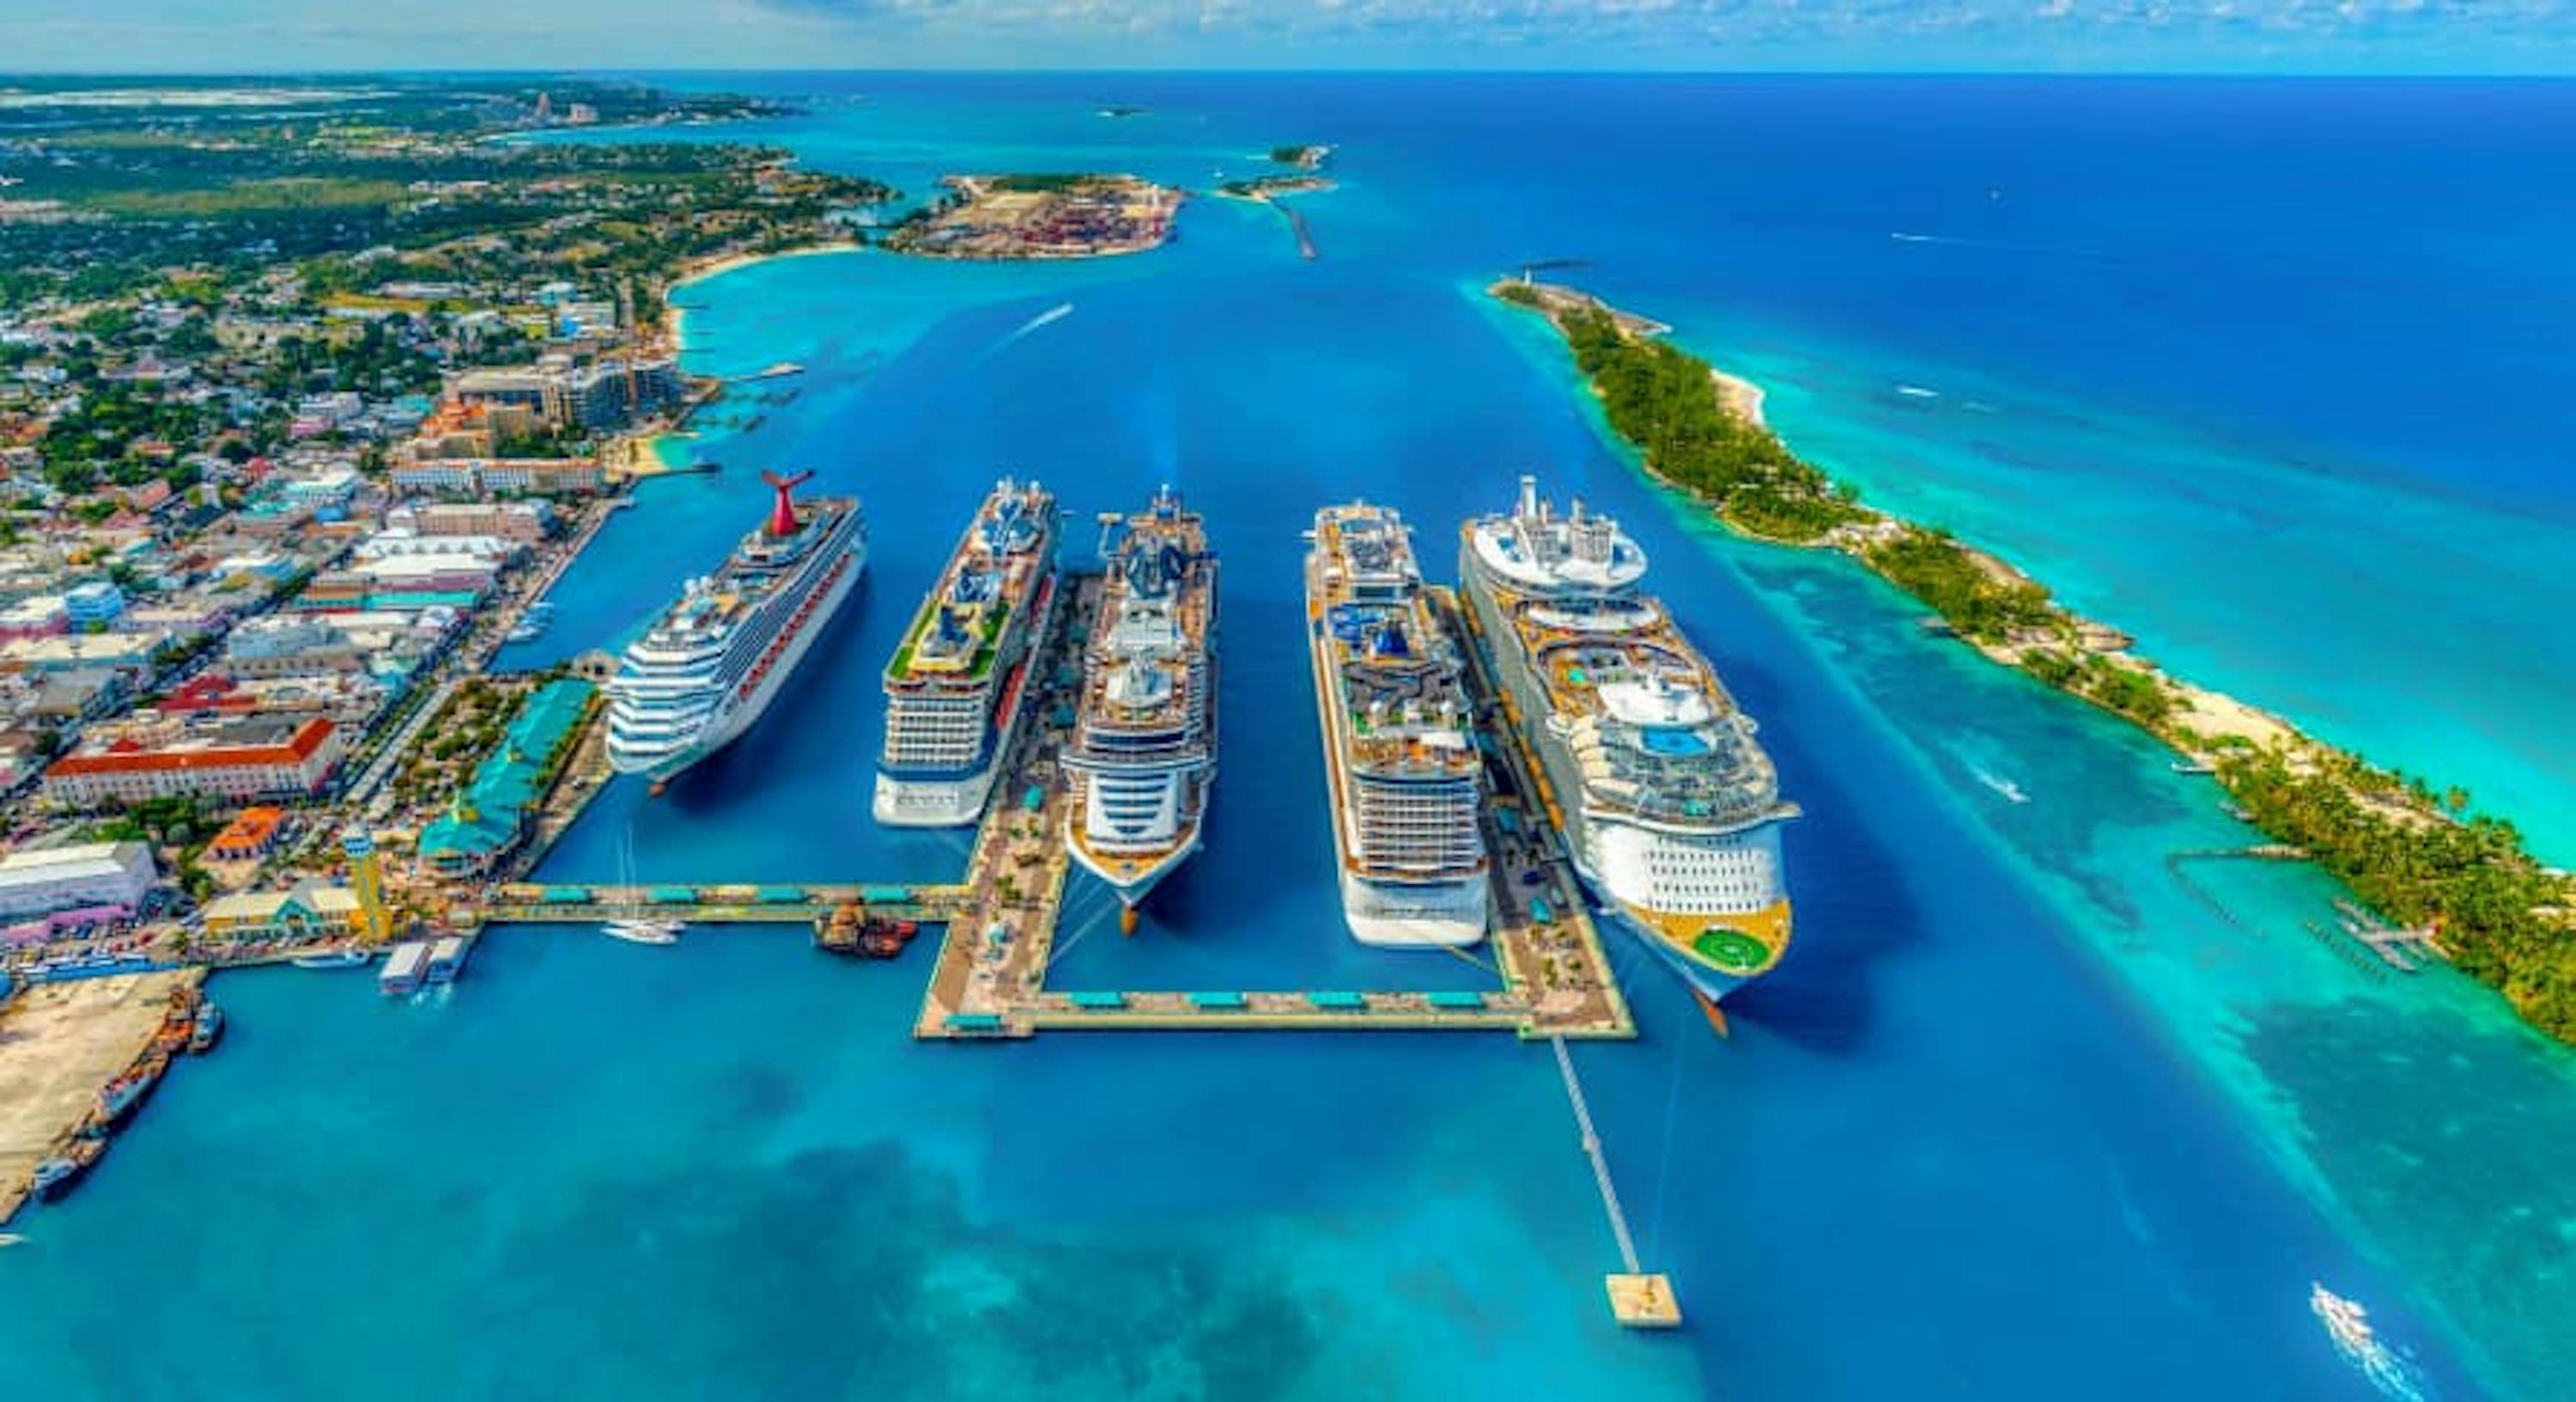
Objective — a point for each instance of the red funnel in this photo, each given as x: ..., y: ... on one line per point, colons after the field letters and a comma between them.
x: 782, y: 517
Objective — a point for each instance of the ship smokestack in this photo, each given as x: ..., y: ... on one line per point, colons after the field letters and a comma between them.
x: 782, y: 516
x: 1529, y: 495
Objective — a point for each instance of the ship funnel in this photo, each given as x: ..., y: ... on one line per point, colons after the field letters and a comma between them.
x: 1529, y: 495
x: 782, y: 515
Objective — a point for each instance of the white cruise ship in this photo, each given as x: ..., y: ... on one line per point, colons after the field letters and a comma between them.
x: 1399, y: 747
x: 1144, y: 746
x: 1669, y: 805
x: 709, y: 666
x: 957, y: 686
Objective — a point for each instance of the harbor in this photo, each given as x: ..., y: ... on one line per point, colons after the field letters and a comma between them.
x: 999, y: 921
x: 70, y: 1038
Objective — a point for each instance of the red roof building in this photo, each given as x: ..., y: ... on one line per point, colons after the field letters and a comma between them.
x: 237, y: 758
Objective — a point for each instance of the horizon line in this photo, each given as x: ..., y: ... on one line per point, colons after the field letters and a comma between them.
x: 165, y: 75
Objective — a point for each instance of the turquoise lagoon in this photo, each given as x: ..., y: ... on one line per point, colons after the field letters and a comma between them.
x: 2020, y: 1116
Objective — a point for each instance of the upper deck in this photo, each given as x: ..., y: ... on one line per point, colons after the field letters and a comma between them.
x: 712, y: 607
x: 1150, y: 636
x: 1533, y: 550
x: 1654, y: 732
x: 1403, y: 712
x: 990, y: 581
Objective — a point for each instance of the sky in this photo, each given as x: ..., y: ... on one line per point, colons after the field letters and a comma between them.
x: 2301, y: 36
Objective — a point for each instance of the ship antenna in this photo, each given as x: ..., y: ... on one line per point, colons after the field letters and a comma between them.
x: 782, y: 517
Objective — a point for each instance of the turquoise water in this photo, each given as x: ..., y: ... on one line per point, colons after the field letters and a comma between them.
x: 2019, y: 1116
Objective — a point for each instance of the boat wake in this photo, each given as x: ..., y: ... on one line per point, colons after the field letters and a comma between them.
x: 1994, y: 245
x: 2348, y: 1325
x: 1917, y: 392
x: 1049, y: 317
x: 1999, y: 784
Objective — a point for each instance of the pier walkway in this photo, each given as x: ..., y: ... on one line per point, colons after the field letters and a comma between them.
x: 999, y: 923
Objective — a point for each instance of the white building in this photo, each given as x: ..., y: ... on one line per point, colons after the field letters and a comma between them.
x: 97, y: 874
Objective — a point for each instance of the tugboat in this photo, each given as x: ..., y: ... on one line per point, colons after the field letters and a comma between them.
x: 851, y: 929
x: 57, y: 1176
x: 207, y: 1029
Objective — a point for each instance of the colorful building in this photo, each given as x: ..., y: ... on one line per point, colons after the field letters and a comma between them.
x: 227, y: 757
x: 250, y: 836
x: 310, y: 910
x: 97, y: 880
x: 490, y: 814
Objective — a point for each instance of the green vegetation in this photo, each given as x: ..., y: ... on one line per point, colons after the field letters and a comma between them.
x: 1662, y: 400
x: 1027, y: 183
x: 2496, y: 909
x: 230, y: 195
x: 2415, y: 857
x: 1978, y: 601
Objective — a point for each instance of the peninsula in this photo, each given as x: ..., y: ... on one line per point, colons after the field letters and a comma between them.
x: 1039, y: 216
x: 2419, y: 857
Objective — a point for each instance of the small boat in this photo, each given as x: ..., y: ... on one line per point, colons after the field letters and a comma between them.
x: 207, y: 1029
x: 120, y: 1098
x: 11, y: 1238
x: 2193, y: 766
x: 345, y: 957
x: 59, y: 1175
x: 643, y: 931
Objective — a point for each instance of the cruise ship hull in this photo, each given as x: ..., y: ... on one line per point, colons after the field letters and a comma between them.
x: 1430, y: 915
x: 730, y: 721
x: 932, y: 803
x: 1133, y: 879
x: 914, y: 801
x: 1711, y: 946
x: 1392, y: 914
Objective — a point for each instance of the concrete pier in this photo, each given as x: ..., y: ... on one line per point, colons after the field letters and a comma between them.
x: 988, y: 978
x: 59, y: 1043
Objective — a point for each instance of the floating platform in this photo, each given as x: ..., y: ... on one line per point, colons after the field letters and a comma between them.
x: 1643, y: 1301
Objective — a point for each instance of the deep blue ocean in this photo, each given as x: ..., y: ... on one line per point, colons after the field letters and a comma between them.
x: 2266, y: 373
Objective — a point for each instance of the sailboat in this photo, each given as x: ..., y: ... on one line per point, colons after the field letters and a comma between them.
x: 636, y: 927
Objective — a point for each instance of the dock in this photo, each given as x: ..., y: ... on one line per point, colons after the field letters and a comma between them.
x: 1638, y: 1299
x: 990, y: 977
x: 999, y: 924
x: 60, y: 1042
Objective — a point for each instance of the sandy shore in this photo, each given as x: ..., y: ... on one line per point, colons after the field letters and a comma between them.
x: 2199, y: 711
x: 59, y: 1043
x: 675, y: 318
x: 1741, y: 396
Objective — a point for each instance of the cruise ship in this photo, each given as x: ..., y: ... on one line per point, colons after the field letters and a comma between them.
x: 709, y: 666
x: 1399, y: 750
x: 1670, y: 808
x: 1143, y: 753
x: 957, y: 686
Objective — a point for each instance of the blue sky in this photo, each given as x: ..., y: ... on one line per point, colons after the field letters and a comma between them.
x: 2472, y: 36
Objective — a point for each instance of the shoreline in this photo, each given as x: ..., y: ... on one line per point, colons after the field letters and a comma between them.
x: 2226, y: 715
x: 675, y: 318
x: 2464, y: 883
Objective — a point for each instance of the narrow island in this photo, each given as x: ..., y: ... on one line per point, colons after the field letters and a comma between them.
x: 1306, y: 162
x: 2464, y: 881
x: 1027, y: 216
